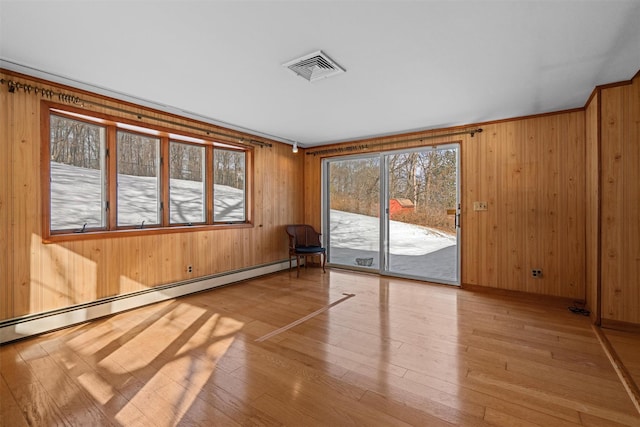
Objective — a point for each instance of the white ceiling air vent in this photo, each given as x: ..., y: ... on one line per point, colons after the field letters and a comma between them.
x: 314, y: 66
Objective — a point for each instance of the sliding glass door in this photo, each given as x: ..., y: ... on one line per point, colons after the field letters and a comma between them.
x: 352, y: 211
x: 421, y: 217
x: 395, y: 212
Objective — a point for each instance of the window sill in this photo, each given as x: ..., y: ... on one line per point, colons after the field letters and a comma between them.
x: 150, y: 231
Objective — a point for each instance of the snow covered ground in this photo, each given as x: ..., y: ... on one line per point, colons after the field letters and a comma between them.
x: 76, y: 195
x: 413, y: 250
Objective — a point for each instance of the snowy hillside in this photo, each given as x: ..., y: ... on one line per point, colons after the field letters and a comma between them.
x: 75, y: 190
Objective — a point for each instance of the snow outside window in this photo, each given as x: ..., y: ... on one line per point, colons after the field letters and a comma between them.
x: 187, y: 183
x: 77, y: 175
x: 229, y: 177
x: 106, y: 176
x: 138, y: 180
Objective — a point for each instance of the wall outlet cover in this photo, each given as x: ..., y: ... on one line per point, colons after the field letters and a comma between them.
x: 480, y: 206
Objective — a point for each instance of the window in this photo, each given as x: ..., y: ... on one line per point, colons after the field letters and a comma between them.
x: 228, y: 185
x: 115, y: 176
x: 77, y: 175
x: 138, y: 180
x: 187, y: 183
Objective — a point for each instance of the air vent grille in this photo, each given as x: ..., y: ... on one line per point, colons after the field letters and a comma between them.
x: 314, y: 66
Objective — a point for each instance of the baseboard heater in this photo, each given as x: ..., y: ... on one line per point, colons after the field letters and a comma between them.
x: 34, y: 324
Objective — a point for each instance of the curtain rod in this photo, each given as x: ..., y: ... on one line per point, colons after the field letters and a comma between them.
x: 70, y: 99
x: 471, y: 132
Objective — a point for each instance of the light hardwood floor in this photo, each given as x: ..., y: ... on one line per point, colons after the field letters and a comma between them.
x: 397, y: 353
x: 626, y: 346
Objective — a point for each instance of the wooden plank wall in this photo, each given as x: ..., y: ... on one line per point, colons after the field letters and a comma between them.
x: 620, y: 202
x: 531, y: 172
x: 6, y: 237
x: 592, y: 212
x: 37, y: 277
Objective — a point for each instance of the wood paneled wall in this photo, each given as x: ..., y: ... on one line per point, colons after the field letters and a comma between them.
x: 37, y: 277
x: 539, y: 176
x: 531, y: 172
x: 620, y: 202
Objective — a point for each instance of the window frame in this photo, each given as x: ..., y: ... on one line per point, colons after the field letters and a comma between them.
x: 212, y: 189
x: 103, y: 174
x: 116, y: 181
x: 205, y: 209
x: 166, y: 135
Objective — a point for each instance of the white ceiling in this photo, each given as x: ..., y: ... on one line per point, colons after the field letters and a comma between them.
x: 410, y: 64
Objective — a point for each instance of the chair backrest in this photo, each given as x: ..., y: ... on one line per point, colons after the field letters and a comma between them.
x: 303, y: 235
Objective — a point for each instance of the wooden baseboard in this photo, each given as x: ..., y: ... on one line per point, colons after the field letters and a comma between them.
x: 35, y: 324
x: 521, y: 294
x: 620, y: 326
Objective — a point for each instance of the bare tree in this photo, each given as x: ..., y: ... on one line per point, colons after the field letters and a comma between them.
x: 229, y: 168
x: 76, y: 143
x: 426, y: 178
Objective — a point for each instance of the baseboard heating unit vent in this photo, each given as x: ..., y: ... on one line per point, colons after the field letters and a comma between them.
x: 26, y: 326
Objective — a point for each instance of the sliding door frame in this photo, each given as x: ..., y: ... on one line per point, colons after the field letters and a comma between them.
x: 384, y: 214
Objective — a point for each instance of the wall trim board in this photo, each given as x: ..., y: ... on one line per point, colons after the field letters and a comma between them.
x: 430, y: 133
x: 598, y: 308
x: 595, y: 103
x: 619, y: 325
x: 530, y: 296
x: 35, y: 324
x: 611, y: 85
x: 619, y: 217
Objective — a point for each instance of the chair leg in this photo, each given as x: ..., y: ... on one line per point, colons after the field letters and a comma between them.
x: 297, y: 265
x: 324, y: 261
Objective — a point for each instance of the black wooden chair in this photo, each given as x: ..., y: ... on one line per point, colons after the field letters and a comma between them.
x: 304, y: 241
